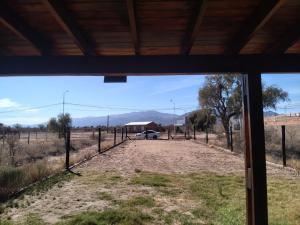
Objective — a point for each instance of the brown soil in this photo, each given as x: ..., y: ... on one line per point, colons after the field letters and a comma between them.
x: 168, y: 157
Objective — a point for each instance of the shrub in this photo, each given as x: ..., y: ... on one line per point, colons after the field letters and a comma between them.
x: 11, y: 180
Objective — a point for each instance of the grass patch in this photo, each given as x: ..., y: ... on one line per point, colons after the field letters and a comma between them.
x: 145, y: 201
x: 105, y: 196
x: 149, y: 179
x: 123, y: 216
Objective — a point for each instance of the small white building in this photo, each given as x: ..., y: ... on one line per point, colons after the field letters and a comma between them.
x: 134, y: 127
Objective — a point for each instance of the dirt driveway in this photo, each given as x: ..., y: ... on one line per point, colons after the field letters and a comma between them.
x: 112, y: 173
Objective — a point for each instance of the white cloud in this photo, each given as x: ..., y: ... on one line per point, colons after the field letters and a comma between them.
x: 7, y: 103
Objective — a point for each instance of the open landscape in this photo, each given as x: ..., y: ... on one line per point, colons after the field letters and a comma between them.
x: 154, y: 182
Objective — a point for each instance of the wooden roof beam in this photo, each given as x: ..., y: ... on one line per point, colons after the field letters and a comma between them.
x: 133, y: 26
x: 66, y: 21
x: 193, y: 30
x: 282, y: 45
x: 13, y: 22
x: 258, y: 19
x: 147, y: 65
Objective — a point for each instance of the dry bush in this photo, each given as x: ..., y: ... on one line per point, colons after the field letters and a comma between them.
x: 37, y: 171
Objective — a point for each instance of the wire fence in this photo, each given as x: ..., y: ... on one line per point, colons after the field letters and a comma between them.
x: 28, y: 156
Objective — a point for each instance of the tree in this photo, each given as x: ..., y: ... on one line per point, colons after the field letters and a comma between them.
x: 223, y: 95
x: 12, y: 140
x: 202, y: 119
x: 64, y: 121
x: 53, y: 125
x: 41, y: 127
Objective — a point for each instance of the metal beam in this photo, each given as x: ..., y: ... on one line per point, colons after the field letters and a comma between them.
x: 147, y: 65
x: 259, y: 18
x: 17, y: 25
x: 193, y: 30
x: 133, y: 25
x: 255, y: 159
x: 66, y: 21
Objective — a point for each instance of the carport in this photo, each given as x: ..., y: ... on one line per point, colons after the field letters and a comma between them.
x: 134, y: 38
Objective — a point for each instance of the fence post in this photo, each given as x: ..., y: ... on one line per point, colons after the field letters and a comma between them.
x: 99, y: 140
x: 68, y: 146
x: 231, y: 139
x: 122, y: 133
x: 28, y: 139
x: 283, y: 145
x: 194, y: 132
x: 146, y: 133
x: 115, y: 136
x: 126, y: 134
x: 169, y: 133
x: 206, y: 138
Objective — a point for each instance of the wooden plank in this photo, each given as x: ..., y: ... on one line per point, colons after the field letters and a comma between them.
x: 282, y: 45
x: 258, y: 19
x: 66, y: 21
x: 255, y: 159
x: 147, y: 65
x: 193, y: 30
x: 133, y: 25
x: 17, y: 25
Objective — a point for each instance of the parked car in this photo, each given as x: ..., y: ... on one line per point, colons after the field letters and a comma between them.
x: 152, y: 134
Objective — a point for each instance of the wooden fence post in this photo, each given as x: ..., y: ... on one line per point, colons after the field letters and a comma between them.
x: 194, y: 132
x: 68, y: 146
x: 169, y: 133
x: 115, y: 136
x: 28, y: 139
x: 231, y: 139
x: 146, y: 133
x: 122, y: 134
x: 99, y: 140
x: 126, y: 133
x: 283, y: 145
x: 206, y: 137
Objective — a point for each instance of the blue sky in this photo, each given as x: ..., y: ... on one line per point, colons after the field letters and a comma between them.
x: 21, y: 95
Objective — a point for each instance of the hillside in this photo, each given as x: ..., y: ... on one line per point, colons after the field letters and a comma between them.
x: 121, y: 119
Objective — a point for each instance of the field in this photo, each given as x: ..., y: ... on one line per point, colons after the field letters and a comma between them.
x: 29, y: 157
x: 154, y: 182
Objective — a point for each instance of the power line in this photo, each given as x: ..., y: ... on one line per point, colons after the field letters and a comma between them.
x: 31, y: 108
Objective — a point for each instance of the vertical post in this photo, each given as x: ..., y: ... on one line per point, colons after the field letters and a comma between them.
x: 168, y: 133
x: 231, y: 139
x: 115, y: 136
x: 194, y: 132
x: 206, y: 137
x: 28, y: 139
x: 146, y: 133
x: 283, y: 145
x: 68, y: 146
x: 99, y: 139
x: 122, y: 134
x: 126, y: 133
x: 255, y: 159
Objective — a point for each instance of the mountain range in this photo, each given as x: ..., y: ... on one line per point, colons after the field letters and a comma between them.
x: 121, y: 119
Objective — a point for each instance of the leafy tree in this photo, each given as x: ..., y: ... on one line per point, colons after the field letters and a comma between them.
x: 53, y: 125
x: 202, y: 119
x: 41, y: 127
x: 64, y: 121
x: 223, y: 95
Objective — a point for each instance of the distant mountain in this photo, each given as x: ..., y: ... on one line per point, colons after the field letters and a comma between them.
x: 121, y: 119
x: 270, y: 113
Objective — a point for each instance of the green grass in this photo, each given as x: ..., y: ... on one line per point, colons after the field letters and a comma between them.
x: 202, y: 198
x: 122, y: 216
x: 150, y: 179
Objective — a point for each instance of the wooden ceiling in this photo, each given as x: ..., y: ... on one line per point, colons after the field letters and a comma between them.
x: 145, y: 27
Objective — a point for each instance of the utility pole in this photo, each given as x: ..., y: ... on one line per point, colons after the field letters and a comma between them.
x: 107, y: 123
x: 64, y: 95
x: 173, y: 115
